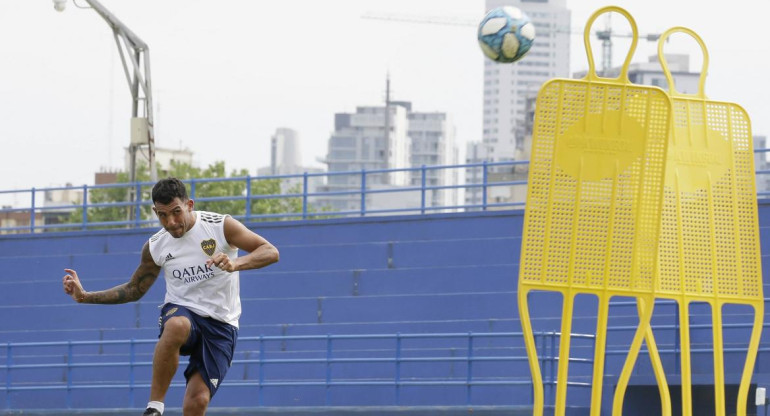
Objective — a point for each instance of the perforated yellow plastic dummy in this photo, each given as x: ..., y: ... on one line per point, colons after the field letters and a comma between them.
x: 594, y: 202
x: 709, y: 248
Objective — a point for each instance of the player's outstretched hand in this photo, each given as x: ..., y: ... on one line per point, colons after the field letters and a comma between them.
x: 72, y: 285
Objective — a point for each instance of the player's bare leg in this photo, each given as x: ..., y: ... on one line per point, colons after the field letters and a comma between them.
x: 166, y: 358
x: 196, y: 397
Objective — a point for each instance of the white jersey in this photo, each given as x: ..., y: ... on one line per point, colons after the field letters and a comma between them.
x: 206, y: 290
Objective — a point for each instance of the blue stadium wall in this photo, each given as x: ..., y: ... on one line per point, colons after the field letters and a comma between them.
x: 443, y: 273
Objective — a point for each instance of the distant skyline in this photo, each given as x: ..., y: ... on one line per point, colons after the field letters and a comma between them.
x: 227, y: 74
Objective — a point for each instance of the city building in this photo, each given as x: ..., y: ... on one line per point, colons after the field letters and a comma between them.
x: 391, y: 137
x: 55, y: 207
x: 371, y: 139
x: 285, y: 153
x: 508, y: 86
x: 163, y: 159
x: 651, y: 73
x: 286, y: 162
x: 762, y: 166
x: 645, y: 73
x: 432, y: 138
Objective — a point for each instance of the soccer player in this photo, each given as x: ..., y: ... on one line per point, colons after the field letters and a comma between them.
x: 198, y: 254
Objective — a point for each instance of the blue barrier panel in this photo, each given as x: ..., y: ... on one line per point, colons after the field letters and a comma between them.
x: 439, y: 279
x: 446, y: 273
x: 460, y: 252
x: 73, y: 243
x: 295, y: 366
x: 418, y: 307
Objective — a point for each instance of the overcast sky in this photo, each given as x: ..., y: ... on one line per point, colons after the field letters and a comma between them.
x: 227, y: 73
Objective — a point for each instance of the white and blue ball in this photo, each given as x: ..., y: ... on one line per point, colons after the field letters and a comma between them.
x: 506, y: 34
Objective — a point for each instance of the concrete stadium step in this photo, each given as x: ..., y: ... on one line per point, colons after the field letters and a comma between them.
x: 387, y: 408
x: 361, y: 282
x: 398, y: 254
x: 417, y: 307
x: 386, y: 229
x: 89, y: 334
x: 390, y: 327
x: 51, y: 267
x: 466, y: 251
x: 72, y: 243
x: 406, y: 308
x: 40, y: 292
x: 267, y: 284
x: 380, y: 255
x: 445, y: 274
x: 330, y: 231
x: 270, y: 283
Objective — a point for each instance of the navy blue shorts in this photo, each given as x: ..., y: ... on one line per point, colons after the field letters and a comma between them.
x: 211, y: 345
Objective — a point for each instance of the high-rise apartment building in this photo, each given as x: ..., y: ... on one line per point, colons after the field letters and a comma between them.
x: 372, y: 138
x: 507, y: 86
x: 360, y: 142
x: 285, y: 152
x: 433, y: 144
x: 286, y: 159
x: 413, y: 139
x: 644, y: 73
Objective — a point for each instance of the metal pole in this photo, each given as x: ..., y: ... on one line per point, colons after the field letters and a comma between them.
x: 131, y: 378
x: 138, y: 50
x: 32, y: 213
x: 398, y: 368
x: 422, y: 189
x: 552, y: 382
x: 85, y: 207
x: 138, y: 209
x: 677, y: 340
x: 363, y: 192
x: 328, y: 368
x: 248, y: 197
x: 69, y: 374
x: 484, y: 187
x: 8, y: 365
x: 261, y: 395
x: 150, y: 117
x: 304, y: 196
x: 469, y: 379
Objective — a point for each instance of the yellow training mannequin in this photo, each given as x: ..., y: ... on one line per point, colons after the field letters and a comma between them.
x: 593, y: 212
x: 709, y: 247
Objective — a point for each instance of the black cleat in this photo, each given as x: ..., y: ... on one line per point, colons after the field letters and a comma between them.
x: 151, y: 412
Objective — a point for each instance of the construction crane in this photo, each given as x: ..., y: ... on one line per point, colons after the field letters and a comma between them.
x: 604, y: 35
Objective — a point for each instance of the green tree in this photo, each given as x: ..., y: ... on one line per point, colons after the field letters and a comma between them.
x: 227, y: 194
x: 112, y: 196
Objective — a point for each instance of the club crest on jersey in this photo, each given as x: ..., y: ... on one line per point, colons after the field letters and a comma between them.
x: 209, y: 246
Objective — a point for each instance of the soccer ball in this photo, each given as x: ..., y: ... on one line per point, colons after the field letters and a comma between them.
x: 506, y: 34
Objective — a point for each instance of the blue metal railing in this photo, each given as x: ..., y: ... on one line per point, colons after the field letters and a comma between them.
x: 391, y: 350
x: 314, y: 195
x: 397, y: 355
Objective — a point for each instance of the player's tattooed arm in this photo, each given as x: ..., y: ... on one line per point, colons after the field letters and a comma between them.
x: 143, y: 278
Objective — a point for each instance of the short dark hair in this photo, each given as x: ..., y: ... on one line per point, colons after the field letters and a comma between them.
x: 167, y: 189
